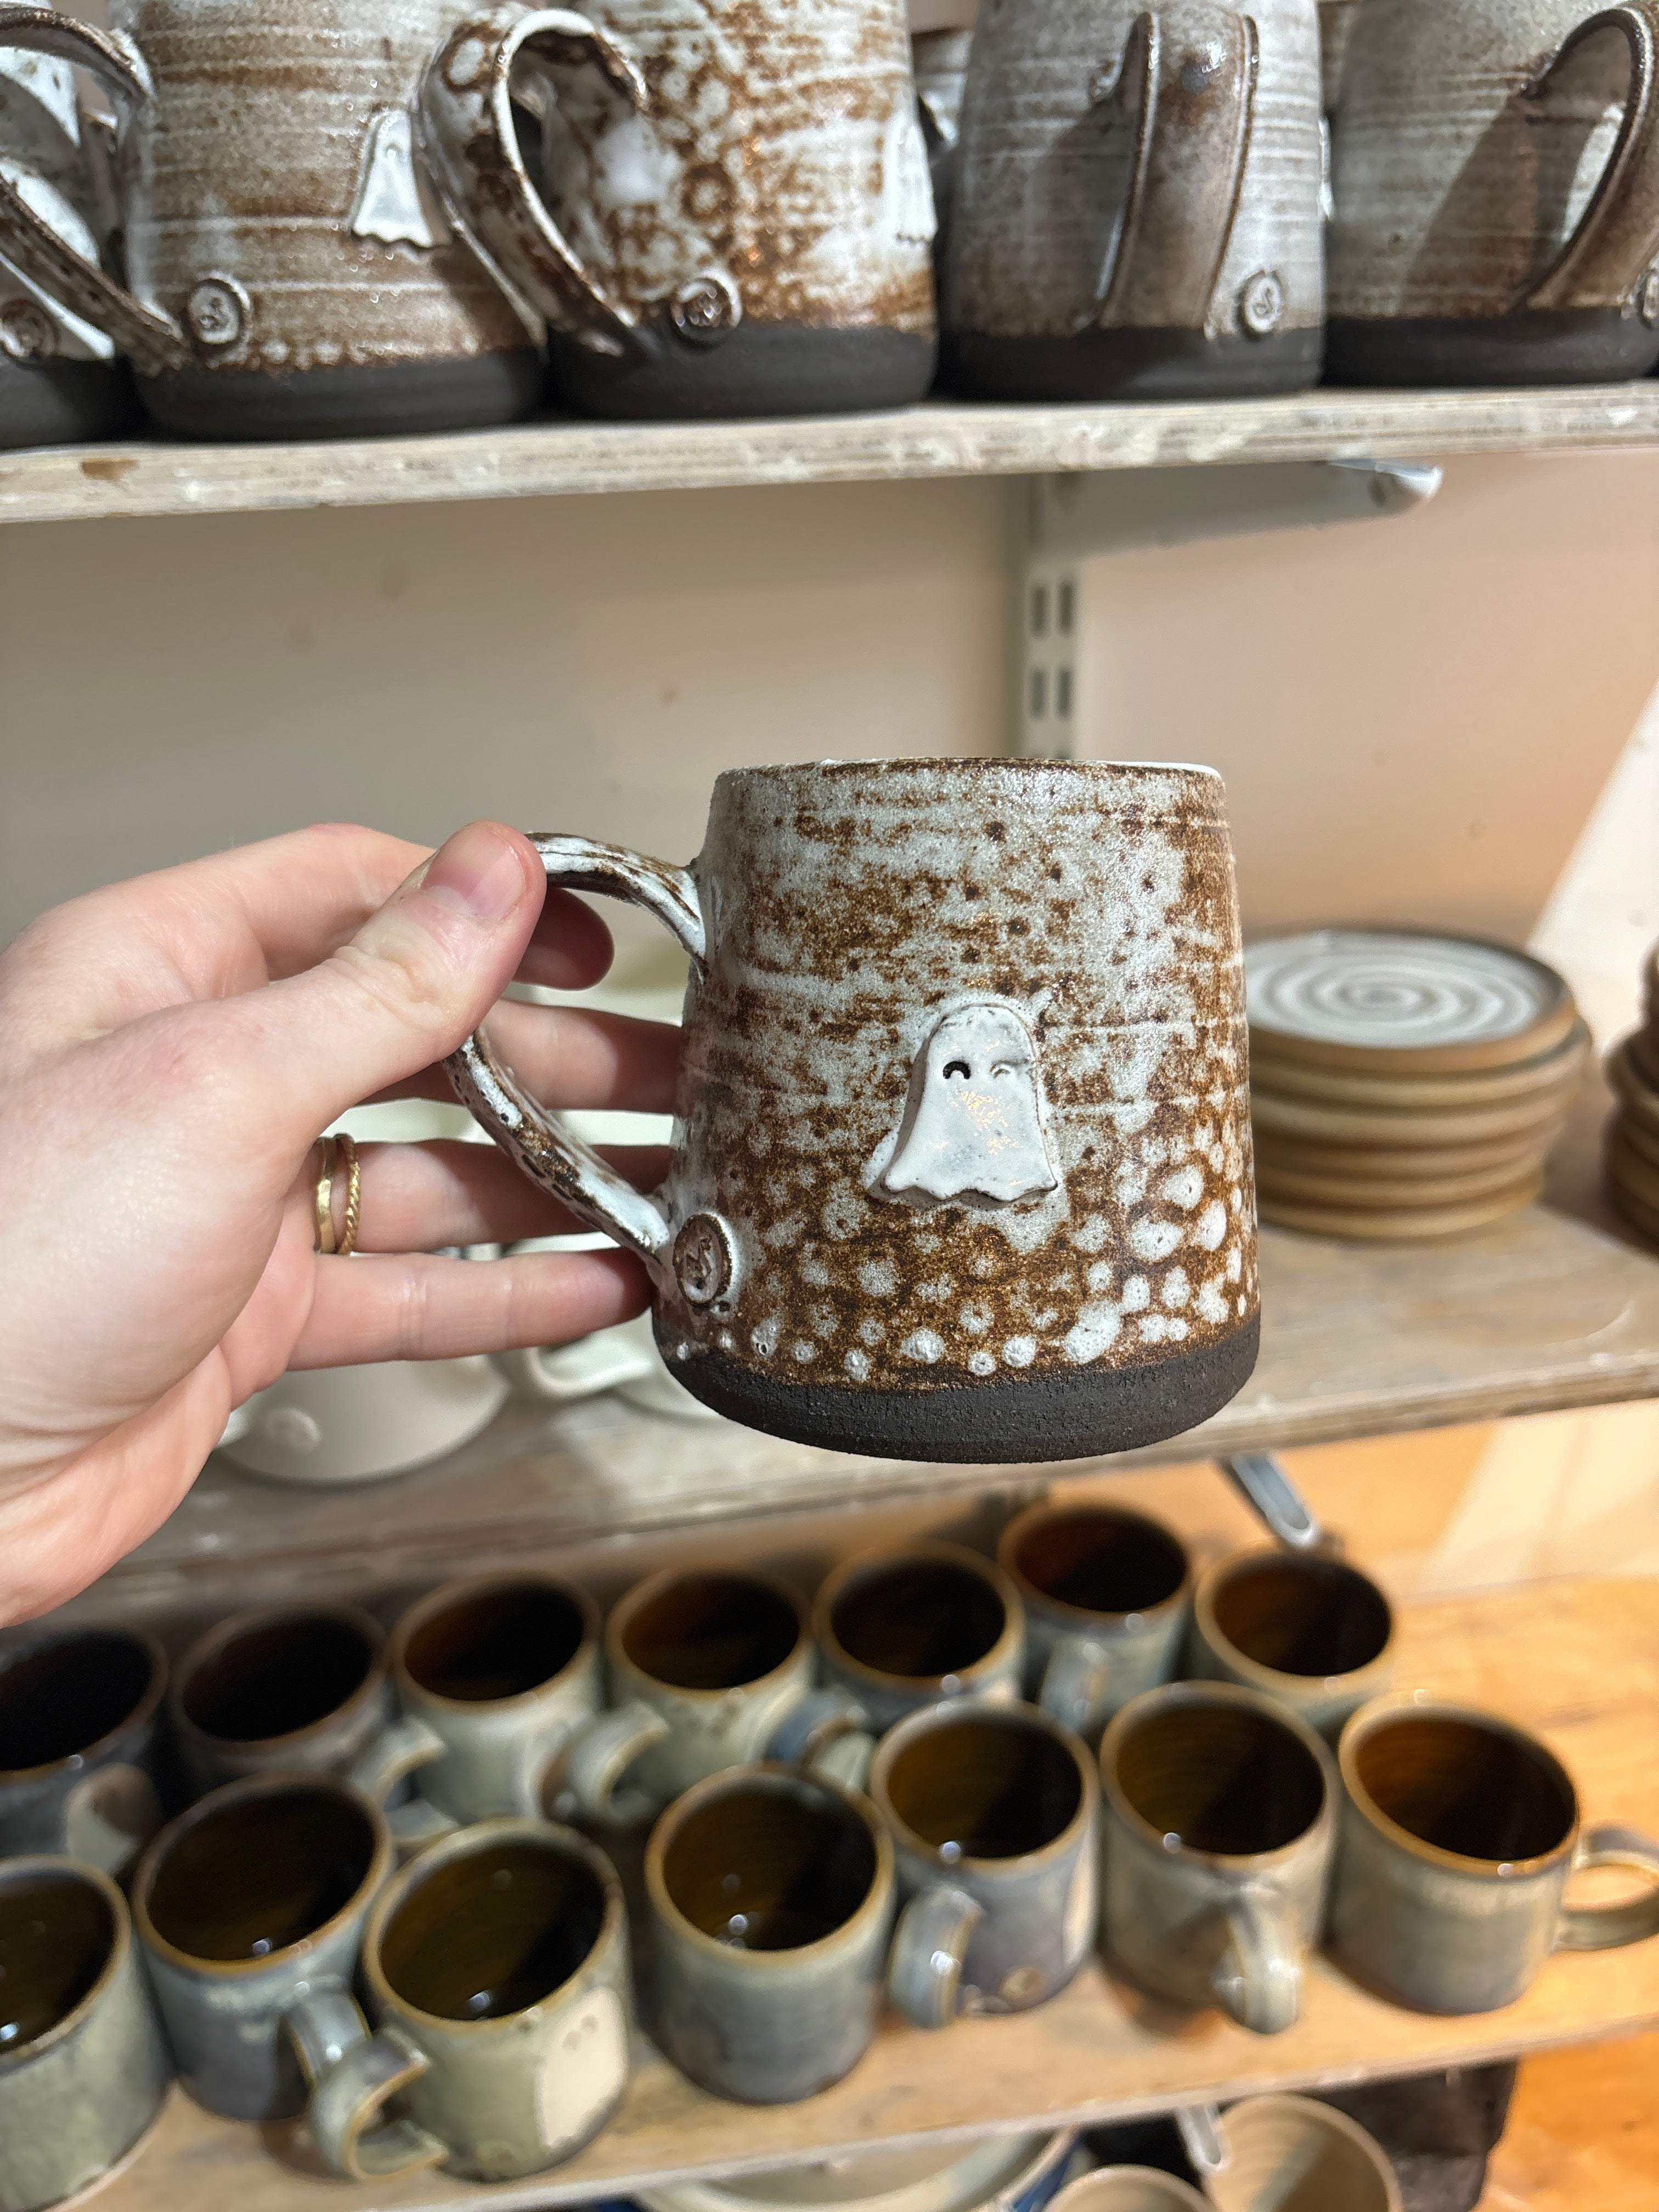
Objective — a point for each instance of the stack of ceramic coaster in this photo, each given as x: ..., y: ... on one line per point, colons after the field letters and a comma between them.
x: 1403, y: 1084
x: 1633, y: 1134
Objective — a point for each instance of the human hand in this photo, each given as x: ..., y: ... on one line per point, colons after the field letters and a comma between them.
x: 171, y: 1049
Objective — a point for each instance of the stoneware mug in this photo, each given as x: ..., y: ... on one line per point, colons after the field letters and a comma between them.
x: 501, y: 1694
x: 995, y: 1816
x: 734, y: 215
x: 1306, y: 1629
x: 1460, y: 1832
x: 962, y: 1166
x: 771, y: 1896
x: 1106, y: 1592
x: 329, y: 1427
x: 82, y: 2066
x: 495, y: 1969
x: 280, y: 1687
x: 1136, y: 202
x: 1268, y: 2153
x: 78, y: 1716
x: 906, y: 1627
x: 1220, y: 1816
x: 1495, y: 177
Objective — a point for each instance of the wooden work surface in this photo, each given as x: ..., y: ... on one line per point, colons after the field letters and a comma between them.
x: 1558, y: 1306
x: 1578, y: 1661
x: 937, y: 439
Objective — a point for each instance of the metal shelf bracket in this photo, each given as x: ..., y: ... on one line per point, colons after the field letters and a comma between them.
x: 1061, y: 521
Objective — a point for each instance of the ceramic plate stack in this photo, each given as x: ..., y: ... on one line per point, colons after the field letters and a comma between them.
x: 1633, y: 1136
x: 1402, y: 1085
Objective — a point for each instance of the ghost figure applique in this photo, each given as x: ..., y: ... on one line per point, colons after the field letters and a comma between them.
x: 973, y: 1126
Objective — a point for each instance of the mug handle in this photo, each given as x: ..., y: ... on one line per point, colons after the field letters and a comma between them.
x: 1265, y: 1483
x: 351, y: 2073
x: 1607, y: 1927
x: 397, y: 1752
x: 524, y: 1129
x: 1617, y: 233
x: 1077, y: 1682
x: 1258, y: 1980
x: 930, y: 1948
x: 539, y: 1373
x: 1203, y: 2135
x: 465, y: 116
x: 1189, y: 163
x: 585, y: 1764
x: 826, y: 1733
x: 153, y: 342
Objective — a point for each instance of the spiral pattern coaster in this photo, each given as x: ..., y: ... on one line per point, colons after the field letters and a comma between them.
x: 1632, y: 1146
x: 1404, y: 1084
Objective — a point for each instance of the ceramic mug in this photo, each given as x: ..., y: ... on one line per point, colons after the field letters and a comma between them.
x: 329, y: 1427
x: 1220, y: 1817
x: 1128, y: 2189
x: 293, y: 271
x: 1266, y: 2152
x: 734, y: 215
x: 495, y: 1969
x: 1106, y: 1594
x: 280, y: 1687
x: 60, y: 380
x: 1136, y: 207
x: 771, y: 1895
x: 994, y: 1817
x: 501, y: 1695
x: 1460, y: 1832
x: 1306, y: 1629
x: 961, y: 1167
x: 78, y: 1719
x: 82, y: 2066
x: 913, y: 1625
x: 1495, y: 177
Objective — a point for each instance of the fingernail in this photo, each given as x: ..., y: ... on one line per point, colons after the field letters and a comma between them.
x: 477, y: 873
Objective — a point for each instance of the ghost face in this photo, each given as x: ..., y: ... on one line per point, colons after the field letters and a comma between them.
x: 973, y: 1126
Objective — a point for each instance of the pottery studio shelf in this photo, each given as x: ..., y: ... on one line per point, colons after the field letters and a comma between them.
x: 933, y: 439
x: 1576, y: 1660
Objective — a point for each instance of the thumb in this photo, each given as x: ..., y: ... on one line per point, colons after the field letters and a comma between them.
x: 418, y: 976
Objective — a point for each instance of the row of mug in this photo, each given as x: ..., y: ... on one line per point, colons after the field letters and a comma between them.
x: 379, y: 234
x: 504, y: 1694
x: 474, y: 2009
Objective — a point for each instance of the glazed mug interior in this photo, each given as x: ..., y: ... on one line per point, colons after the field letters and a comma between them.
x: 1305, y: 1616
x: 57, y: 1935
x: 984, y: 1785
x: 1095, y: 1560
x: 1224, y: 1779
x: 60, y: 1699
x: 1293, y: 2154
x: 770, y: 1862
x: 490, y: 1932
x: 1473, y: 1788
x: 253, y: 1872
x: 494, y: 1642
x: 918, y: 1620
x: 279, y: 1674
x: 713, y: 1631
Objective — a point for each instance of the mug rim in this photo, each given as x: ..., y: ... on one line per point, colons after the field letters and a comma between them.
x: 974, y: 764
x: 1279, y: 1678
x: 771, y: 1774
x: 639, y: 1593
x: 1182, y: 2192
x: 1169, y: 1695
x: 287, y: 1779
x: 975, y: 1711
x: 61, y: 1868
x: 550, y: 1835
x: 843, y: 1576
x: 420, y: 1611
x: 1084, y: 1617
x: 253, y: 1616
x: 143, y: 1712
x: 1382, y: 1712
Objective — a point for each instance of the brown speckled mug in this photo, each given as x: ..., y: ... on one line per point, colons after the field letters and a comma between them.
x: 961, y: 1162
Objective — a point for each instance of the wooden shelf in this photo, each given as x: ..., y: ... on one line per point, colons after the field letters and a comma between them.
x: 1577, y: 1660
x: 1557, y: 1307
x: 938, y: 439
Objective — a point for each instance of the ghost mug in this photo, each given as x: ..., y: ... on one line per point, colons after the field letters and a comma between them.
x: 961, y: 1167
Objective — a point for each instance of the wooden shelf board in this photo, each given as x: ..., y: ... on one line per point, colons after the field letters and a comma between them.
x: 1576, y: 1660
x: 937, y: 439
x: 1558, y: 1307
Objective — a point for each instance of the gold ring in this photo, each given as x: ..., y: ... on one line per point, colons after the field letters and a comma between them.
x: 337, y: 1152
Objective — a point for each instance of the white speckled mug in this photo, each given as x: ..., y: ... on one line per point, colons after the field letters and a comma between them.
x: 961, y: 1161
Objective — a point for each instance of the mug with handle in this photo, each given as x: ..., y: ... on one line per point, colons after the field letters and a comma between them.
x: 281, y: 1688
x: 1266, y: 2152
x: 989, y: 1014
x: 79, y: 1713
x: 1136, y: 209
x: 1495, y: 178
x: 1460, y: 1832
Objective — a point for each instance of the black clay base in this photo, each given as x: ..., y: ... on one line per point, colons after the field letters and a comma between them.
x: 1598, y: 347
x: 400, y: 397
x: 64, y: 402
x: 1077, y: 1415
x: 1097, y: 364
x: 759, y: 368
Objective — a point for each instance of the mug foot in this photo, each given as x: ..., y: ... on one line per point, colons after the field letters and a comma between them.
x: 385, y: 399
x: 64, y: 402
x: 1599, y: 346
x: 1097, y: 364
x: 1081, y: 1414
x: 759, y: 368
